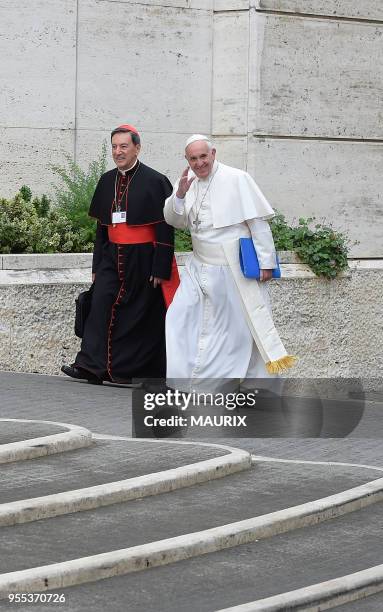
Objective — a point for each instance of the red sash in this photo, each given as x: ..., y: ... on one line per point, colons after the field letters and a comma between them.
x: 121, y: 233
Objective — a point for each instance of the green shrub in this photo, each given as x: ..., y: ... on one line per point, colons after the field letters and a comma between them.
x: 31, y: 226
x: 26, y: 193
x: 322, y: 248
x: 74, y: 196
x: 182, y: 240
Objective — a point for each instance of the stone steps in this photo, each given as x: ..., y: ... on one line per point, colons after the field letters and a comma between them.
x: 221, y: 543
x: 238, y: 497
x: 245, y: 573
x: 105, y: 461
x: 52, y: 438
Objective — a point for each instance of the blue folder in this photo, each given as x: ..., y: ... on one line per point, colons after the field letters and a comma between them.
x: 249, y: 260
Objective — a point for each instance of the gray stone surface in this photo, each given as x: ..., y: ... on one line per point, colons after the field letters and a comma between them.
x: 229, y: 577
x: 101, y: 463
x: 363, y: 9
x: 232, y: 68
x: 231, y: 5
x: 193, y: 4
x: 46, y: 261
x: 374, y: 603
x: 41, y: 66
x: 246, y: 573
x: 107, y: 409
x: 26, y: 154
x: 266, y: 488
x: 173, y: 42
x: 230, y: 79
x: 320, y: 321
x: 15, y: 432
x: 307, y: 85
x: 338, y: 182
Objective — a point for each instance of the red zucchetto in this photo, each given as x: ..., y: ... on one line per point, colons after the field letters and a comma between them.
x: 127, y: 127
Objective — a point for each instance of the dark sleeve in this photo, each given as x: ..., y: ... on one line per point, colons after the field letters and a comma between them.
x: 96, y: 209
x: 164, y: 250
x: 168, y: 188
x: 101, y: 239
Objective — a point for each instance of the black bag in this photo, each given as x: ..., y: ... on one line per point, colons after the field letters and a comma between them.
x: 83, y: 305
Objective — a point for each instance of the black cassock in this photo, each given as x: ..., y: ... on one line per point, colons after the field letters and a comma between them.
x: 124, y: 335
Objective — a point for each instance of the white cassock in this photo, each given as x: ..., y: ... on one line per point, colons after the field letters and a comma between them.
x: 209, y: 334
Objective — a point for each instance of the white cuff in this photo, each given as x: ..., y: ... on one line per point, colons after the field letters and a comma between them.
x: 179, y: 205
x: 263, y: 243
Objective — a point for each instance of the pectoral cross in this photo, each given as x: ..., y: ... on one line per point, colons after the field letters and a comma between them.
x: 197, y: 223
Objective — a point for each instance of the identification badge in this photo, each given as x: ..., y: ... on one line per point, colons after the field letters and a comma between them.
x: 119, y: 217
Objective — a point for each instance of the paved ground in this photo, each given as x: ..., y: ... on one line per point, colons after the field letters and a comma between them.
x: 107, y: 409
x: 202, y: 584
x: 14, y: 432
x: 103, y: 462
x: 264, y: 489
x: 246, y: 573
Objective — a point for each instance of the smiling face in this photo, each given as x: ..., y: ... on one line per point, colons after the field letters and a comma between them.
x: 200, y: 158
x: 124, y: 151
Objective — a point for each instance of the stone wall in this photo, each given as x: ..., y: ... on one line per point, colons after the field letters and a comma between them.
x: 78, y: 68
x: 297, y: 101
x: 289, y: 89
x: 334, y: 326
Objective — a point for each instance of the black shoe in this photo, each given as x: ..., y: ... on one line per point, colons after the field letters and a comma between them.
x: 80, y: 374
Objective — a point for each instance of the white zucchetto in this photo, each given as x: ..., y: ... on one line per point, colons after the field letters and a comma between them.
x: 195, y: 138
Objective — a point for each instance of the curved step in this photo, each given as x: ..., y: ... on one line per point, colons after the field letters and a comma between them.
x: 87, y: 498
x: 75, y: 437
x: 321, y: 596
x: 237, y: 497
x: 249, y: 572
x: 154, y: 554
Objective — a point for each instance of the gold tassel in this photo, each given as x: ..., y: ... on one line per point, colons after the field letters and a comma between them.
x: 284, y: 363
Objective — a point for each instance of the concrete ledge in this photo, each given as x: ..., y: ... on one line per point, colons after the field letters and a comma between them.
x: 69, y: 276
x: 75, y: 437
x: 74, y: 268
x: 46, y: 261
x: 37, y: 315
x: 170, y: 550
x: 57, y: 261
x: 65, y: 276
x: 321, y: 596
x: 34, y: 509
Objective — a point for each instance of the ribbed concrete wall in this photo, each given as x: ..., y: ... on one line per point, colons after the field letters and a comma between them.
x: 290, y: 90
x: 334, y: 326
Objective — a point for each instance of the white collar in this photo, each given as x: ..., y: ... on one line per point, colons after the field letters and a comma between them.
x: 123, y: 172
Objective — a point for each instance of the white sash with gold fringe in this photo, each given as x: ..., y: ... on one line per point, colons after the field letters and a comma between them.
x: 257, y: 314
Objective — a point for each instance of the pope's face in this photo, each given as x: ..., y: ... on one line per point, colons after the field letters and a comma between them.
x: 124, y: 151
x: 200, y: 158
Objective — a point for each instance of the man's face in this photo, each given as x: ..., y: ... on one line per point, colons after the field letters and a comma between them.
x: 124, y: 151
x: 200, y: 158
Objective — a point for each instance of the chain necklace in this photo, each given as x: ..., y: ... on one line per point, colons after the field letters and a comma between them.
x: 197, y: 221
x: 129, y: 180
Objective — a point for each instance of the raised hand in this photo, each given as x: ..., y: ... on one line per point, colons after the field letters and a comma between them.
x: 184, y: 184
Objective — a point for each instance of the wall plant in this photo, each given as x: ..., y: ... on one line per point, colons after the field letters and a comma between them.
x: 39, y: 225
x: 31, y: 225
x: 74, y: 193
x: 320, y: 247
